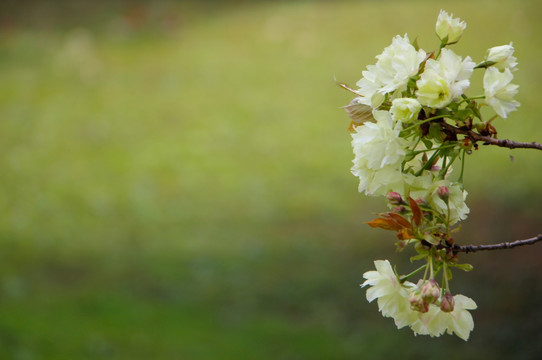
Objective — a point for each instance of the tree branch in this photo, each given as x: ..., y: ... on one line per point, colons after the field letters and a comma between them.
x: 488, y: 140
x: 505, y: 245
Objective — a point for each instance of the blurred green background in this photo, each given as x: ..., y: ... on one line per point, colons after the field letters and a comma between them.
x: 175, y: 182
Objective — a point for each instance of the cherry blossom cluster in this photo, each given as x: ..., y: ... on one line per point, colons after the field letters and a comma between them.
x: 409, y: 119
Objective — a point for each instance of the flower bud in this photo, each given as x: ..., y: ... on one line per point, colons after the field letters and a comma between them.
x: 430, y: 291
x: 447, y: 303
x: 502, y: 57
x: 405, y: 109
x: 422, y: 201
x: 417, y: 303
x: 480, y: 127
x: 466, y: 144
x: 443, y: 193
x: 399, y: 209
x: 450, y: 27
x: 394, y: 198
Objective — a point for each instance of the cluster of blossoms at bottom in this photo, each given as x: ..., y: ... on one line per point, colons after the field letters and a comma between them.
x: 422, y: 307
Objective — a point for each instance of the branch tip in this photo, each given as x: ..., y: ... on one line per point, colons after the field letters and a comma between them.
x: 504, y: 245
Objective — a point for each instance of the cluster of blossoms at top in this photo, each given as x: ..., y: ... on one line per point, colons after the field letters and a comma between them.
x: 410, y: 122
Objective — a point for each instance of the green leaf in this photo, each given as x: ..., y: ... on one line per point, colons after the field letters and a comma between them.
x: 409, y: 156
x: 435, y: 132
x: 453, y: 107
x: 477, y: 113
x: 418, y: 257
x: 428, y: 143
x: 449, y: 273
x: 463, y: 114
x: 445, y: 152
x: 431, y: 239
x: 464, y: 267
x: 415, y: 44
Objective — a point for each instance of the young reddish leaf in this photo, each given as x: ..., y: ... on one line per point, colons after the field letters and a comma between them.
x: 400, y: 220
x: 404, y: 234
x: 382, y: 223
x: 416, y: 212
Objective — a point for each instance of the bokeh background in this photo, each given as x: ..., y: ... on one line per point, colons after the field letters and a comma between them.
x: 175, y: 182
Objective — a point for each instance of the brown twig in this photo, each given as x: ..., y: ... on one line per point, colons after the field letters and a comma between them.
x: 488, y: 140
x: 505, y: 245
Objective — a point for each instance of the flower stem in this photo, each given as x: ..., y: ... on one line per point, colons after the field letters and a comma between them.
x: 408, y: 276
x: 423, y: 122
x: 425, y: 273
x: 428, y: 163
x: 445, y: 275
x: 444, y: 281
x: 447, y: 165
x: 439, y: 148
x: 443, y: 43
x: 472, y: 98
x: 460, y: 180
x: 448, y: 218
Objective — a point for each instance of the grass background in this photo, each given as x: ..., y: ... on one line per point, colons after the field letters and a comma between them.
x: 175, y: 182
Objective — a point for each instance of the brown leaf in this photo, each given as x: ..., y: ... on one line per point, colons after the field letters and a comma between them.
x: 404, y: 234
x: 347, y: 88
x: 400, y: 220
x: 386, y: 224
x: 416, y: 212
x: 352, y: 127
x: 359, y: 113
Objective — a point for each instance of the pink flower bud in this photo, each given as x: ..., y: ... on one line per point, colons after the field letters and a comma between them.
x: 417, y: 303
x: 399, y: 209
x: 422, y: 201
x: 443, y: 193
x: 395, y: 198
x: 447, y: 303
x: 430, y: 291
